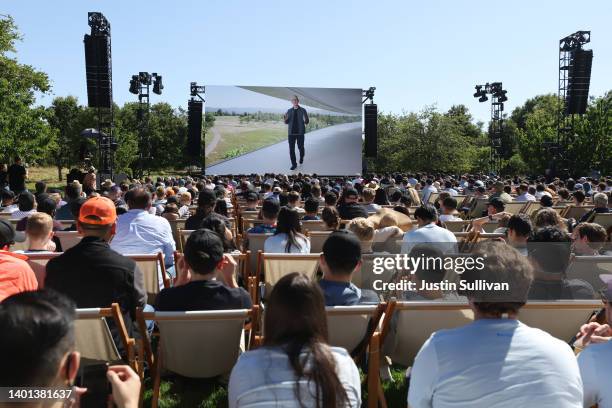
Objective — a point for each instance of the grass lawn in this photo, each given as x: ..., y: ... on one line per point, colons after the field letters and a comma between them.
x: 184, y: 392
x: 244, y: 142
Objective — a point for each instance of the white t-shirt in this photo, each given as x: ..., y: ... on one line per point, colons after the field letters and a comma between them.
x: 595, y: 364
x: 264, y: 378
x: 495, y: 363
x: 431, y: 234
x: 277, y: 243
x: 449, y: 217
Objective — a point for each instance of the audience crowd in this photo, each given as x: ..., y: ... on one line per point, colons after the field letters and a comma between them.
x: 530, y: 230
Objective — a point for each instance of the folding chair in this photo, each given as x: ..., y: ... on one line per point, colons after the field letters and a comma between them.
x: 515, y: 207
x: 356, y: 328
x: 274, y: 266
x: 154, y: 271
x: 94, y: 340
x: 576, y: 212
x: 457, y: 226
x: 531, y: 208
x: 183, y: 236
x: 68, y: 239
x: 317, y: 239
x: 256, y: 244
x: 196, y: 344
x: 479, y: 207
x: 313, y: 225
x: 175, y: 226
x: 605, y: 220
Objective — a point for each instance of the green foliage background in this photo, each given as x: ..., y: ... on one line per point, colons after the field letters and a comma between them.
x: 428, y: 140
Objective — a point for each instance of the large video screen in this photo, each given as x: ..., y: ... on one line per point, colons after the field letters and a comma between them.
x: 261, y: 129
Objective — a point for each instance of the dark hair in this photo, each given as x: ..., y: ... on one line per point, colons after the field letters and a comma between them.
x: 203, y: 251
x: 138, y: 198
x: 550, y: 248
x: 380, y: 197
x: 40, y: 187
x: 221, y: 207
x: 426, y: 212
x: 75, y: 207
x: 26, y: 201
x: 295, y: 320
x: 450, y: 202
x: 311, y: 205
x: 546, y: 201
x: 342, y: 252
x: 289, y: 223
x: 330, y: 198
x: 579, y: 195
x: 270, y: 209
x: 520, y: 224
x: 38, y: 331
x: 217, y: 224
x: 46, y: 205
x: 331, y: 217
x: 395, y: 196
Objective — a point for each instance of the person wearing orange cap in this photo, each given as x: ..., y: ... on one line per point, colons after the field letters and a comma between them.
x: 91, y: 273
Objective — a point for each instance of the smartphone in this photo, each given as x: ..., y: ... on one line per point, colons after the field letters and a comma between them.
x: 93, y: 377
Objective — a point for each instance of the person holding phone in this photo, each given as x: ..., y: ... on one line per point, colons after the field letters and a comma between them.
x: 296, y: 118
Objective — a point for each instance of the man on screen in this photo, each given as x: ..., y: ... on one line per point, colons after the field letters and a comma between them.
x: 297, y: 119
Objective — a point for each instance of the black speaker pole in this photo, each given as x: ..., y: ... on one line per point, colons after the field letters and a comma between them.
x: 193, y: 149
x: 573, y: 85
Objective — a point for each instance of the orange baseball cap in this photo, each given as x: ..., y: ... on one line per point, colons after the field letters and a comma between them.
x: 98, y: 211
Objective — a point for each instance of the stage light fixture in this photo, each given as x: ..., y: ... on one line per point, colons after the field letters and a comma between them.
x: 478, y: 92
x: 157, y: 84
x: 134, y: 84
x: 144, y: 78
x: 483, y: 98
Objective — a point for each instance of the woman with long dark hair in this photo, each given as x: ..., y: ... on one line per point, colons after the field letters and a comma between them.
x: 288, y: 237
x: 295, y: 367
x: 221, y: 207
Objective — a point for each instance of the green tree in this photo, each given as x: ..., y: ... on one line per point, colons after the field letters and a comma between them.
x: 66, y: 119
x: 23, y: 129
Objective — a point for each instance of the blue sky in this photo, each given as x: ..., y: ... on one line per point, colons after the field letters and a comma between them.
x: 416, y: 53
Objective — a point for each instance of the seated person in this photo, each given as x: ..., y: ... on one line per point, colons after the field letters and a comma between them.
x: 206, y: 278
x: 518, y: 232
x: 39, y: 233
x: 216, y: 224
x: 15, y: 274
x: 594, y: 361
x: 449, y: 210
x: 40, y: 352
x: 549, y: 249
x: 429, y: 232
x: 600, y: 201
x: 330, y: 199
x: 331, y: 218
x: 589, y: 239
x: 364, y: 231
x: 511, y: 364
x: 341, y: 257
x: 75, y: 208
x: 349, y: 208
x: 311, y: 208
x: 252, y: 199
x: 91, y: 273
x: 293, y: 201
x: 184, y: 203
x: 26, y: 206
x: 433, y: 273
x: 288, y: 237
x: 295, y: 367
x: 269, y: 214
x: 368, y: 195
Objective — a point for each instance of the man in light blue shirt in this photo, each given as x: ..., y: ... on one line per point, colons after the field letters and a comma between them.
x: 496, y: 361
x: 139, y: 232
x: 428, y: 232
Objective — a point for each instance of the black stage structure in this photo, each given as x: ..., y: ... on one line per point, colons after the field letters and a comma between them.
x: 498, y: 146
x: 98, y: 68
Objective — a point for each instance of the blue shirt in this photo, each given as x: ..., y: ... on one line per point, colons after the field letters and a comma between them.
x: 263, y: 229
x: 340, y: 293
x: 139, y: 232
